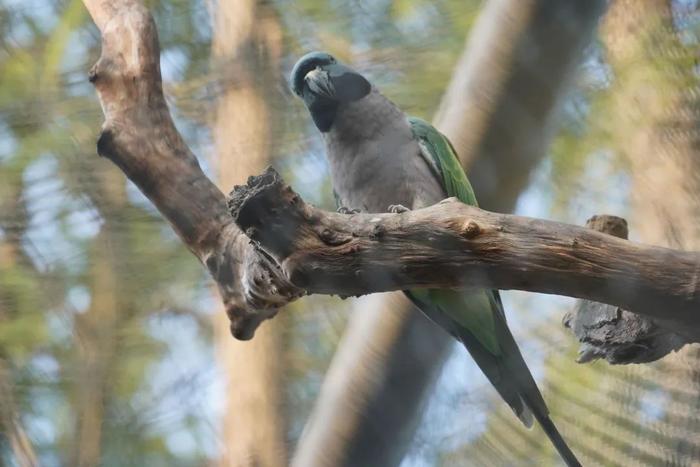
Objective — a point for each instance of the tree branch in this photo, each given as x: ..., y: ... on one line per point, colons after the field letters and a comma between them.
x: 139, y: 136
x: 451, y: 245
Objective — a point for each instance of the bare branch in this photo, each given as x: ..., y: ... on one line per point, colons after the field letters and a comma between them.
x: 452, y: 245
x: 140, y: 138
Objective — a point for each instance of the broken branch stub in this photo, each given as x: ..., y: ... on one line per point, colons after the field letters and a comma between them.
x: 265, y: 205
x: 611, y: 333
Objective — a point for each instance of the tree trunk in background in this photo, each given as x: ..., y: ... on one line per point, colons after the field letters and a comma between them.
x: 655, y: 120
x: 654, y: 124
x: 96, y: 330
x: 631, y: 414
x: 500, y: 106
x: 96, y: 333
x: 390, y: 355
x: 246, y: 49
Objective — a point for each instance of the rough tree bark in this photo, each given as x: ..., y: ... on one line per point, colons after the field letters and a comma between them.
x: 451, y: 245
x: 246, y: 48
x: 139, y: 136
x: 498, y: 112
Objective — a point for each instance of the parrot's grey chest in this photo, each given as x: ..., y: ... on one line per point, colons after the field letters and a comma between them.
x: 375, y: 160
x: 370, y: 175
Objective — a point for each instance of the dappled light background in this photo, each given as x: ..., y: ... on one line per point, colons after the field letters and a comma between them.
x: 114, y: 349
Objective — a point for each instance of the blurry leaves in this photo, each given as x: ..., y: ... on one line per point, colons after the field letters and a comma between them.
x: 21, y: 327
x: 57, y: 196
x: 55, y: 48
x: 638, y: 414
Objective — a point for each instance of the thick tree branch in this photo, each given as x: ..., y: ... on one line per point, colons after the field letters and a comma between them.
x: 140, y: 138
x: 454, y: 245
x: 500, y: 108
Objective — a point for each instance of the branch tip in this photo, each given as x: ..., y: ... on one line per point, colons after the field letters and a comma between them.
x: 255, y: 185
x: 611, y: 225
x: 613, y: 333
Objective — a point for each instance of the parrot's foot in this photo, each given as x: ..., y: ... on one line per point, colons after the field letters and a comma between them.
x: 398, y: 209
x: 346, y: 210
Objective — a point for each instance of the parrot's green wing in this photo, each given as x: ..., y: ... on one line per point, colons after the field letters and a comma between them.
x: 474, y: 309
x: 476, y: 317
x: 438, y: 152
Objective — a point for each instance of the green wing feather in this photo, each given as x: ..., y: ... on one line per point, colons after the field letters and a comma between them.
x: 442, y: 159
x: 476, y: 317
x: 471, y: 309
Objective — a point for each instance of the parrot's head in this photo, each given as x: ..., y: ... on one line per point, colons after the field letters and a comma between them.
x: 324, y: 85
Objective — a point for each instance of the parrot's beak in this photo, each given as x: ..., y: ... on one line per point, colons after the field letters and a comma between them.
x: 337, y: 82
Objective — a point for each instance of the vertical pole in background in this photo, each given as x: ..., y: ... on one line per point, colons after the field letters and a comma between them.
x: 246, y: 49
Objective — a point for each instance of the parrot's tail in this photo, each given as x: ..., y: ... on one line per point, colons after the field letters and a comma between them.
x: 554, y: 436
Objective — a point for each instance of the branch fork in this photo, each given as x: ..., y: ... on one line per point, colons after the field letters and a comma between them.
x: 275, y: 248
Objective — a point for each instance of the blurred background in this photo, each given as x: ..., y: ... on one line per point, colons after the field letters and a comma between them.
x: 114, y: 348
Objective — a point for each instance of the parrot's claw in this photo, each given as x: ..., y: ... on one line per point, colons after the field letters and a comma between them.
x: 346, y: 210
x: 398, y: 209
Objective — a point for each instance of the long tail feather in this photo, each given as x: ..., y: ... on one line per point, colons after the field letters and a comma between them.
x: 554, y: 436
x: 507, y: 371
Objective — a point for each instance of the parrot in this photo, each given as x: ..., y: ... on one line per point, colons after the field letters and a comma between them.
x: 382, y: 160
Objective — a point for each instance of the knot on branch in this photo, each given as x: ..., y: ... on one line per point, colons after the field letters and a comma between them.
x: 332, y: 237
x: 612, y: 225
x: 378, y: 231
x: 244, y: 323
x: 93, y: 74
x: 470, y: 229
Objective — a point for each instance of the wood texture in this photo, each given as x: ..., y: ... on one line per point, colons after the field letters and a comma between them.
x: 451, y: 245
x: 447, y: 245
x: 139, y: 136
